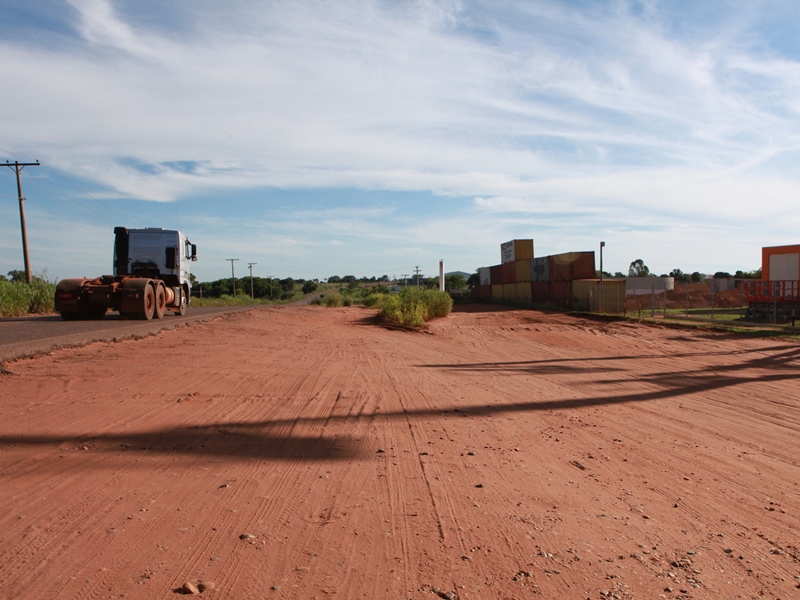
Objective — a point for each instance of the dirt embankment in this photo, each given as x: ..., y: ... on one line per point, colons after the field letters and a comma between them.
x: 303, y: 452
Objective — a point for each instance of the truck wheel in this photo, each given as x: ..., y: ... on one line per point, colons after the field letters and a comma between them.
x: 160, y: 301
x: 148, y: 304
x: 182, y: 304
x: 69, y: 316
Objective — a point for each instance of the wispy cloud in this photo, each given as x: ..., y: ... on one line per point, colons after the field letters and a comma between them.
x: 570, y: 120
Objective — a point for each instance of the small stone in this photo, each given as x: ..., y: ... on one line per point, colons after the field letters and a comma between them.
x: 246, y: 536
x: 436, y: 589
x: 381, y: 450
x: 205, y: 585
x: 480, y: 485
x: 275, y: 588
x: 189, y: 588
x: 224, y: 485
x: 450, y: 595
x: 668, y: 589
x: 728, y: 550
x: 470, y: 453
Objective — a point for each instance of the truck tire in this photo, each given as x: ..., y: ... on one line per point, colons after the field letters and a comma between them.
x: 183, y: 304
x: 160, y: 301
x: 148, y: 306
x: 68, y: 301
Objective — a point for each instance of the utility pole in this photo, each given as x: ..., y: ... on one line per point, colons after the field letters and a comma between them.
x: 602, y: 245
x: 405, y: 277
x: 416, y: 274
x: 18, y: 166
x: 233, y: 277
x: 252, y: 297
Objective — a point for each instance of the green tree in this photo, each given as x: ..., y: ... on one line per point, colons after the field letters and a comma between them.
x: 309, y: 287
x: 474, y: 279
x: 455, y: 281
x: 17, y: 276
x: 697, y: 277
x: 679, y: 275
x: 638, y: 269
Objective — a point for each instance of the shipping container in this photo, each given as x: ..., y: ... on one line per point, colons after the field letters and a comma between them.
x: 485, y: 275
x: 561, y: 294
x: 586, y: 295
x: 571, y: 265
x: 497, y: 292
x: 523, y: 292
x: 522, y: 270
x: 780, y: 263
x: 509, y: 292
x: 496, y: 275
x: 509, y: 273
x: 540, y: 292
x: 539, y: 269
x: 482, y: 292
x: 516, y: 250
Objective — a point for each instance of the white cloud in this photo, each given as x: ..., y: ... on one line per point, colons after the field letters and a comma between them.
x: 608, y: 117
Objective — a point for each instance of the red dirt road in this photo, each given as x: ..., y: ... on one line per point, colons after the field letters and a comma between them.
x: 505, y: 454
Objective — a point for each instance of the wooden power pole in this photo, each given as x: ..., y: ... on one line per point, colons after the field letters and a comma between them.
x: 18, y: 166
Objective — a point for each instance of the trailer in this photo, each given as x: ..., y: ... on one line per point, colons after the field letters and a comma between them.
x: 150, y: 276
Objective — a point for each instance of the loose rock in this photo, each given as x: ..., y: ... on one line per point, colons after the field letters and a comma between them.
x: 189, y: 588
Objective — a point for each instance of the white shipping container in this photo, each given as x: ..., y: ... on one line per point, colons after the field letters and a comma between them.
x: 484, y: 273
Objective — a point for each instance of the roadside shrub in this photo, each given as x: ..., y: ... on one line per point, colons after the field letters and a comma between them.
x: 414, y: 306
x: 347, y: 301
x: 332, y: 299
x: 374, y: 300
x: 17, y: 299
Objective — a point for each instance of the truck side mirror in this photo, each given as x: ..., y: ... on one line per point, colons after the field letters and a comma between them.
x: 194, y: 252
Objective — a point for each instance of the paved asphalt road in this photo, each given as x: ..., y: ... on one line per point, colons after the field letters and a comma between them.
x: 26, y: 336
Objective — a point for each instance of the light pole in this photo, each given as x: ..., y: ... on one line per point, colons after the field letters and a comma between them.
x: 602, y: 245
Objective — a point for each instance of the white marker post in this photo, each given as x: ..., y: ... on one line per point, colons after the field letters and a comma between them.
x: 441, y: 275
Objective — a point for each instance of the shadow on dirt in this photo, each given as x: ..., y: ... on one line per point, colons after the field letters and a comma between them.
x: 240, y: 440
x: 280, y: 440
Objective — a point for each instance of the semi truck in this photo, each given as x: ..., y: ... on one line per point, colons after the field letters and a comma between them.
x: 150, y: 276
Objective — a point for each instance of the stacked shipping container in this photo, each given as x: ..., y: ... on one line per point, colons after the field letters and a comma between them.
x: 520, y: 277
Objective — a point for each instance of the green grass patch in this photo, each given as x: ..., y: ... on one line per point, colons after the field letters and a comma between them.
x: 17, y: 299
x: 414, y: 306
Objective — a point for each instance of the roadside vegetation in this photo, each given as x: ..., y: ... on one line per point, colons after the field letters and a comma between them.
x: 414, y: 306
x: 19, y: 298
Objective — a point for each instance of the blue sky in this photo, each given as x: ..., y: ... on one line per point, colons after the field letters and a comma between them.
x: 369, y: 137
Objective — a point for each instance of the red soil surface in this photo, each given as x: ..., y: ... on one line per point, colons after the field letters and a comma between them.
x: 304, y: 452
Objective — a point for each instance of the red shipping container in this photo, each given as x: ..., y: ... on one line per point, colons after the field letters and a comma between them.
x: 540, y: 292
x: 509, y: 273
x: 561, y: 294
x: 571, y: 265
x: 496, y: 275
x: 482, y: 292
